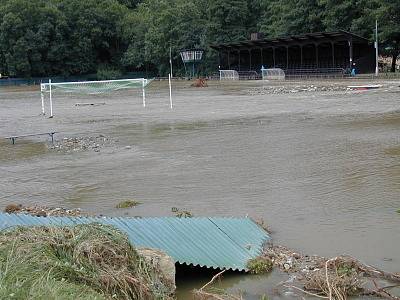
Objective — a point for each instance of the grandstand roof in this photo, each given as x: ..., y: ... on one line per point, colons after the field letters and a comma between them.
x: 294, y: 40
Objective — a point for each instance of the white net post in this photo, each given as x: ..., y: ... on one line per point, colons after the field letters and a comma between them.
x: 42, y: 97
x: 51, y: 100
x: 144, y: 93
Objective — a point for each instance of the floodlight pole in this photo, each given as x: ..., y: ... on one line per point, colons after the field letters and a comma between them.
x: 170, y: 59
x: 376, y: 49
x: 51, y: 100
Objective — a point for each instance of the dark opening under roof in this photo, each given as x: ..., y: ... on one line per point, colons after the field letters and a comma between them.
x: 294, y: 40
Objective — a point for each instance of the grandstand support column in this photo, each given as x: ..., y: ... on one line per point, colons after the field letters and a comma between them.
x: 316, y: 55
x: 229, y: 59
x: 350, y: 53
x: 249, y: 59
x: 239, y: 59
x: 273, y: 55
x: 333, y: 54
x: 262, y: 57
x: 287, y: 57
x: 301, y: 56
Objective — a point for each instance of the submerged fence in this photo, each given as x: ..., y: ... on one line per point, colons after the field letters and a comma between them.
x: 316, y: 73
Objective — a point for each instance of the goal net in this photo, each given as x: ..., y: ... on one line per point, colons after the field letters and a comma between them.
x: 228, y: 75
x: 273, y: 74
x: 92, y: 88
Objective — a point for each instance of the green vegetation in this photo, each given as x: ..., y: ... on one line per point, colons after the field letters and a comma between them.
x: 260, y: 265
x: 398, y: 211
x: 108, y: 73
x: 128, y: 204
x: 90, y: 261
x: 345, y: 269
x: 110, y: 37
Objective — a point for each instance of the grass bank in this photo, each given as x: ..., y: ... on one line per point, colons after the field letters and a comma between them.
x: 87, y: 262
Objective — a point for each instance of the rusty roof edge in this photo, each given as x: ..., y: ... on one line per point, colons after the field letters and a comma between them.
x: 237, y: 44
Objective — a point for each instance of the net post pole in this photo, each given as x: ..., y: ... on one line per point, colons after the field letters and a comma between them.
x: 143, y: 93
x: 170, y: 91
x: 51, y: 100
x: 42, y: 98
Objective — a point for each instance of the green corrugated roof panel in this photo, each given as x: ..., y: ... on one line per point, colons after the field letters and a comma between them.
x: 225, y: 243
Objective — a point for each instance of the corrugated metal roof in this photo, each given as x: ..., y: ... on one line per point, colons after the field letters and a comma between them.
x: 225, y: 243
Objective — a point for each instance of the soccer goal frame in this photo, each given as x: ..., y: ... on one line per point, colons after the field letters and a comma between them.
x: 89, y: 87
x: 273, y: 74
x: 228, y: 75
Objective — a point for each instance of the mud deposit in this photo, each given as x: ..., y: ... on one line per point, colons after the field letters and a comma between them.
x: 322, y: 168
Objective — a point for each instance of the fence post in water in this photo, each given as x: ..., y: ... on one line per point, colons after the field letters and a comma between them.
x: 51, y: 100
x: 42, y: 98
x: 144, y: 93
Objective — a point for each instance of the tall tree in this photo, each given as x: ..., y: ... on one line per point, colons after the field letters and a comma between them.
x: 227, y: 20
x: 94, y: 34
x: 283, y: 17
x: 388, y: 16
x: 30, y: 37
x: 340, y: 14
x: 130, y: 3
x: 162, y: 24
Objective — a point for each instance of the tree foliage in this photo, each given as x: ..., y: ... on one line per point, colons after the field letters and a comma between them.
x: 72, y: 37
x: 282, y: 17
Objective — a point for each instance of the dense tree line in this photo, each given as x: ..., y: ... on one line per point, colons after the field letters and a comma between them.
x: 73, y: 37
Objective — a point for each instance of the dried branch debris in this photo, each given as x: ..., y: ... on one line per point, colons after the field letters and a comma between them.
x: 335, y: 278
x: 208, y: 293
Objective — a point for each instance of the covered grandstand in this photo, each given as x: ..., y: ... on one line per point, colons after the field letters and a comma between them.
x: 311, y: 53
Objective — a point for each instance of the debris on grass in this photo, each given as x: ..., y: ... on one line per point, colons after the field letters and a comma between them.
x: 263, y: 225
x: 128, y: 204
x: 90, y: 261
x: 181, y: 213
x: 12, y: 208
x: 199, y: 82
x: 336, y: 278
x: 79, y: 144
x: 42, y: 211
x: 207, y: 292
x: 260, y: 265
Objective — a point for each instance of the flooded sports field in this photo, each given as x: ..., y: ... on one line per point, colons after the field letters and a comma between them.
x: 319, y: 163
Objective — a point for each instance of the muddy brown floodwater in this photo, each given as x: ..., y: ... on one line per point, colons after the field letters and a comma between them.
x: 321, y: 168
